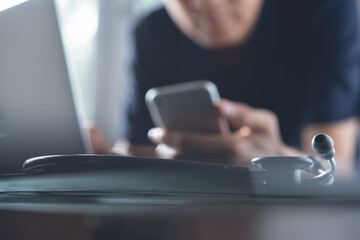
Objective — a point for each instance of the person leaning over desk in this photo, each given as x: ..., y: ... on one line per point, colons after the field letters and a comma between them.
x: 289, y: 69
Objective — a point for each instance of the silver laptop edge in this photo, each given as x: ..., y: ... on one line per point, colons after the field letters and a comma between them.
x: 40, y: 110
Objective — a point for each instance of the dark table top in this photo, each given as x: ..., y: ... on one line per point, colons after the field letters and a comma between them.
x: 72, y: 207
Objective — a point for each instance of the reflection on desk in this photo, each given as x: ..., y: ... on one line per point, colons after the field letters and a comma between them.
x: 61, y: 214
x: 26, y: 216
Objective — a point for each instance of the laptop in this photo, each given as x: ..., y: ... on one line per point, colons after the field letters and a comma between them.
x: 38, y: 115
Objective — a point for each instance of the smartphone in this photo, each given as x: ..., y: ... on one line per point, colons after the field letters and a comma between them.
x: 188, y: 106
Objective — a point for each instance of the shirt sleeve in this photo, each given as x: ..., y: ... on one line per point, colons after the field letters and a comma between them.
x: 136, y: 120
x: 333, y: 63
x: 145, y: 56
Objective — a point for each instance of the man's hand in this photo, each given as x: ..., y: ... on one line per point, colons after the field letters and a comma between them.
x: 256, y: 134
x: 98, y: 140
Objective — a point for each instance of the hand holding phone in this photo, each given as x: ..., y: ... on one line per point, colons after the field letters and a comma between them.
x: 256, y: 133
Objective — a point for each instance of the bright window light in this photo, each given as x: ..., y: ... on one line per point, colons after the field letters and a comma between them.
x: 81, y: 21
x: 5, y: 4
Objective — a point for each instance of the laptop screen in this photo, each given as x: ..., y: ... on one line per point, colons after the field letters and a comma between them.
x: 37, y: 111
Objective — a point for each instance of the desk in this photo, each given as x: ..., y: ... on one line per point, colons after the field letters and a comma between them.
x: 87, y: 216
x: 133, y: 205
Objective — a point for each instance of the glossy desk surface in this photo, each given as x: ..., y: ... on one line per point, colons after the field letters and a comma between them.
x: 31, y: 213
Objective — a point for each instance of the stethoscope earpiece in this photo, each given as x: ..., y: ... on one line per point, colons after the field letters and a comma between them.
x: 323, y: 145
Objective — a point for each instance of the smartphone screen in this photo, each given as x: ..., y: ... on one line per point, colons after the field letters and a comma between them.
x: 186, y: 106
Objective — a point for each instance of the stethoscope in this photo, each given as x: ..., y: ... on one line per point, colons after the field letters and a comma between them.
x: 275, y: 175
x: 281, y: 171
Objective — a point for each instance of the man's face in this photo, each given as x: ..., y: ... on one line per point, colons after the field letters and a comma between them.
x: 215, y: 23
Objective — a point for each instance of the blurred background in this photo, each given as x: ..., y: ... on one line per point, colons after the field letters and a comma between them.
x: 96, y: 35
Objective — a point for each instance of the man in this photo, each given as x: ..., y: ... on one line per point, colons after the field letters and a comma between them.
x: 289, y: 70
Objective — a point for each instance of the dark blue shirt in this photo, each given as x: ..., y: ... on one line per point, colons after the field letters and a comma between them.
x: 301, y: 62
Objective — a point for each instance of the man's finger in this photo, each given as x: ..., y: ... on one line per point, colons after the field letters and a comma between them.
x: 239, y: 115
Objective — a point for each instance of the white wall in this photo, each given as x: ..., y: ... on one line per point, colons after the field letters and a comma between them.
x: 112, y: 68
